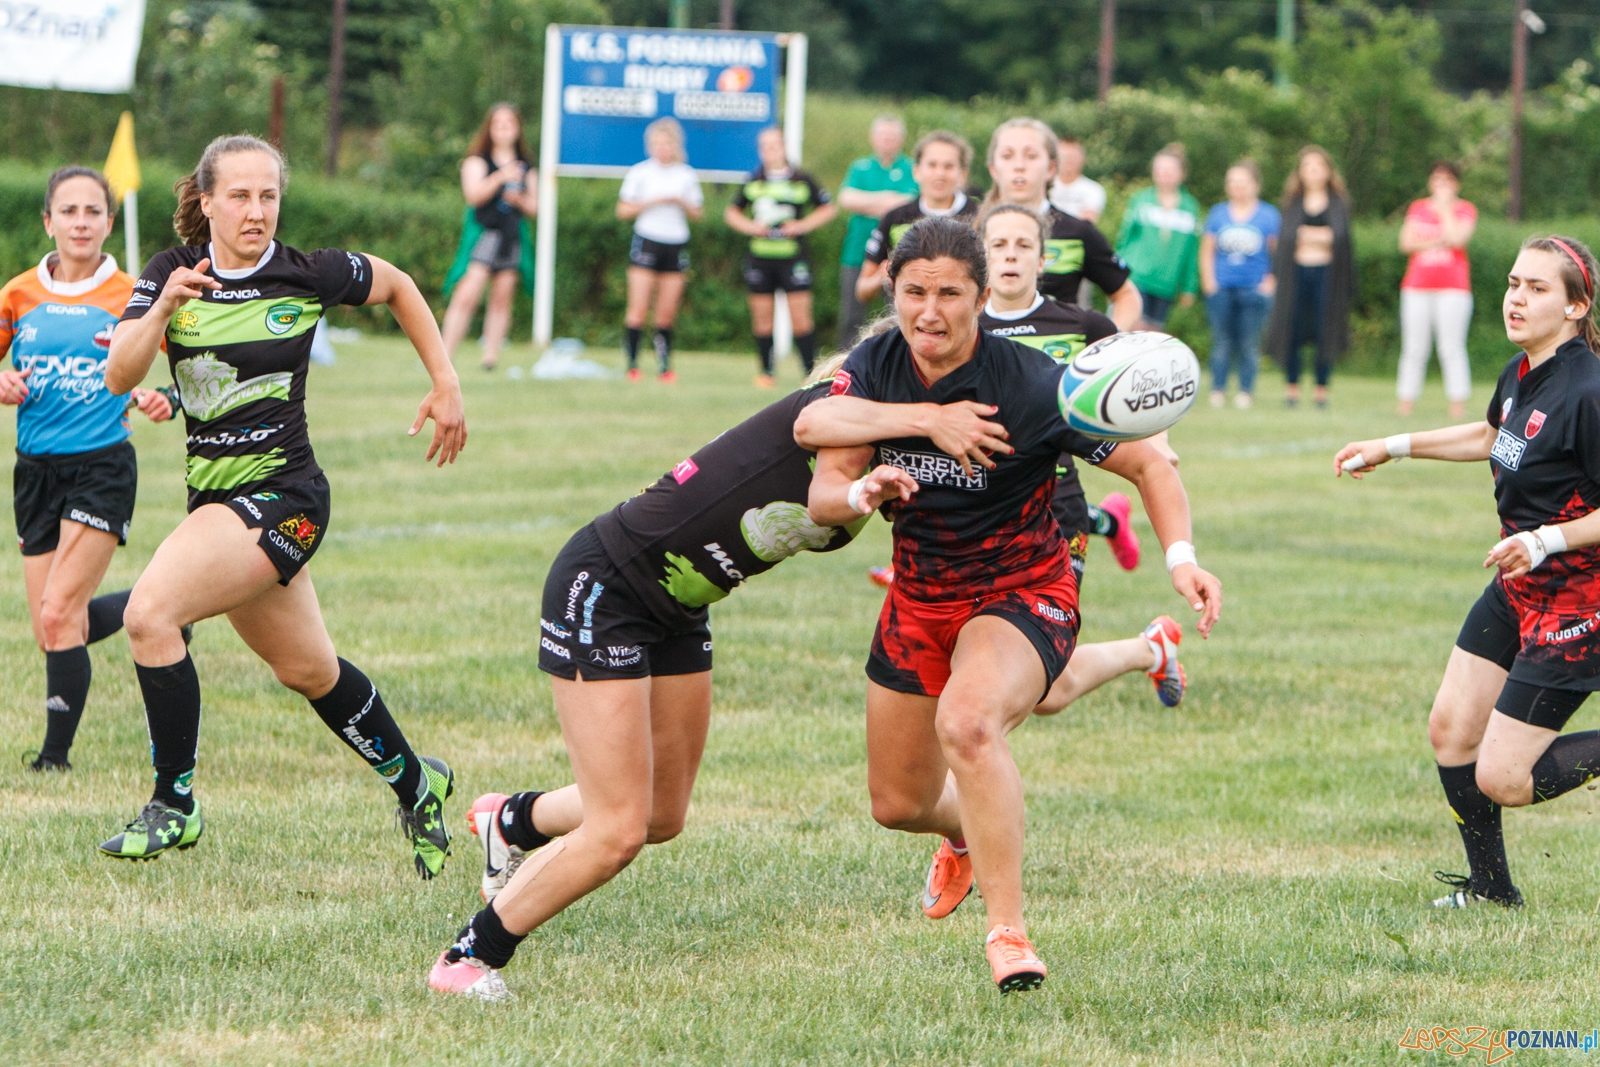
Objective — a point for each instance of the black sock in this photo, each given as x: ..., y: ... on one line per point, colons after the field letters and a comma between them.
x: 486, y: 940
x: 630, y: 345
x: 172, y: 713
x: 806, y: 345
x: 764, y: 350
x: 516, y: 822
x: 354, y: 710
x: 663, y: 342
x: 1570, y: 761
x: 66, y: 682
x: 1102, y: 522
x: 1478, y: 819
x: 105, y: 614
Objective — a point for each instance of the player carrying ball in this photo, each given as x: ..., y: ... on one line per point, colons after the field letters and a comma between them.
x: 625, y: 636
x: 1529, y: 652
x: 983, y: 614
x: 236, y: 310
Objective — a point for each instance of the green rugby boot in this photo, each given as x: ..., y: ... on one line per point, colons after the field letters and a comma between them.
x: 424, y: 824
x: 157, y: 829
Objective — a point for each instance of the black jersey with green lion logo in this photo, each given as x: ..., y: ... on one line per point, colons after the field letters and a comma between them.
x: 1060, y: 331
x: 732, y: 510
x: 239, y: 356
x: 773, y: 201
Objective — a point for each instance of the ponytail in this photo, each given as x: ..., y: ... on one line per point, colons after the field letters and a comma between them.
x: 189, y: 221
x: 1579, y: 276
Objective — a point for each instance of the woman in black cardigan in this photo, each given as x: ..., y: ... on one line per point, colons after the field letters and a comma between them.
x: 1315, y: 269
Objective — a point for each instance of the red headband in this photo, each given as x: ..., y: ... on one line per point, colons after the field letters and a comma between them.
x: 1588, y: 286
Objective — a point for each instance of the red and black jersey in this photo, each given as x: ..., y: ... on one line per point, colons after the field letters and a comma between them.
x: 1060, y: 331
x: 1546, y: 464
x: 1076, y: 250
x: 991, y: 531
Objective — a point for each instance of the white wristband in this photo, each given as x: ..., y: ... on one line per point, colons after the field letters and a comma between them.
x: 1554, y: 540
x: 1398, y: 446
x: 1531, y: 542
x: 857, y: 488
x: 1179, y: 553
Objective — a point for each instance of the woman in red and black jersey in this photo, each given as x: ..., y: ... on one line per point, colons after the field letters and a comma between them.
x: 1529, y: 652
x: 983, y: 613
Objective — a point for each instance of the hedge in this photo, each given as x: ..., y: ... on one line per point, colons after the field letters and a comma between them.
x: 419, y: 232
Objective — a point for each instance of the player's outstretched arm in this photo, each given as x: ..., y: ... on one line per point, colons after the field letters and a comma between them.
x: 135, y: 343
x: 839, y: 498
x: 1469, y: 442
x: 1167, y: 505
x: 394, y: 287
x: 962, y: 429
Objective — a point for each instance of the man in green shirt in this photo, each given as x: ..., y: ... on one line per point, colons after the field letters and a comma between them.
x: 873, y: 185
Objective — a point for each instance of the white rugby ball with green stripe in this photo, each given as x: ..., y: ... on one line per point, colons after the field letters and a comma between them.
x: 1129, y: 386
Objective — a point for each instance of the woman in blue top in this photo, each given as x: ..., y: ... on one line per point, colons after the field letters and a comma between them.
x: 76, y: 475
x: 1236, y: 277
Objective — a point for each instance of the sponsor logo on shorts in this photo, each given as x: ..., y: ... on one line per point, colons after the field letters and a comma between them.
x: 286, y: 546
x: 588, y: 604
x: 934, y: 468
x: 554, y: 629
x: 89, y: 520
x: 546, y: 643
x: 684, y: 471
x: 1535, y: 424
x: 244, y: 502
x: 1550, y: 637
x: 617, y: 655
x: 282, y: 317
x: 724, y: 561
x: 585, y: 637
x: 1051, y: 612
x: 1508, y: 449
x: 574, y: 591
x: 302, y: 529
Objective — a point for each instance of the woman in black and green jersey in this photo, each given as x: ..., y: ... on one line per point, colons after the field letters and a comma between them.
x: 942, y: 160
x: 236, y: 310
x: 776, y: 208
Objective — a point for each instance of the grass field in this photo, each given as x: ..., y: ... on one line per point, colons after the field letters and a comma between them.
x: 1242, y: 880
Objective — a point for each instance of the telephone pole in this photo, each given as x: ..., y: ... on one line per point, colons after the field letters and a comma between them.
x: 1285, y: 44
x: 335, y: 86
x: 725, y: 15
x: 1108, y: 46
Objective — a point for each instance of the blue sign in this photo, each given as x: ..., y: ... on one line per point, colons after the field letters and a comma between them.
x: 614, y: 82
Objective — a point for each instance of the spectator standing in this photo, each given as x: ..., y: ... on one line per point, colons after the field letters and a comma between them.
x: 1316, y: 272
x: 1073, y: 191
x: 660, y: 194
x: 501, y: 189
x: 1236, y: 277
x: 1160, y: 239
x: 873, y: 186
x: 1436, y: 293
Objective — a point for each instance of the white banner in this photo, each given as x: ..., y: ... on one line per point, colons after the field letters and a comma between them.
x: 89, y: 46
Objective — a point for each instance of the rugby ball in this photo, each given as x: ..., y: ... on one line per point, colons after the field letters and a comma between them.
x: 1129, y: 386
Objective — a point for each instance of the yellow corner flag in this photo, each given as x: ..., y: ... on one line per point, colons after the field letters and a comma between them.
x: 122, y: 164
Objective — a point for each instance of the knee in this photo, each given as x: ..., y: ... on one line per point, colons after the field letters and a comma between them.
x: 1446, y: 734
x: 663, y: 830
x: 145, y: 619
x: 309, y: 680
x: 1499, y: 787
x: 60, y: 626
x: 615, y: 845
x: 967, y: 737
x: 897, y: 811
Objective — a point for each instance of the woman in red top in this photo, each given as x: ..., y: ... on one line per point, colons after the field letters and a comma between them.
x: 1436, y: 293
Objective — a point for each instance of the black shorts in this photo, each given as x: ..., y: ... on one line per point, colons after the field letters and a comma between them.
x: 293, y: 519
x: 767, y: 276
x: 653, y: 255
x: 1493, y: 631
x: 591, y: 619
x: 499, y: 251
x: 95, y: 488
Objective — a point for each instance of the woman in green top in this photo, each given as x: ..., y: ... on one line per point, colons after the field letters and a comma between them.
x: 1160, y: 238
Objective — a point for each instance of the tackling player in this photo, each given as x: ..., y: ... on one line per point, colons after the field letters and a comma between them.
x: 76, y: 475
x: 1528, y: 654
x: 942, y: 160
x: 983, y: 615
x: 625, y: 636
x: 236, y: 309
x: 1022, y: 162
x: 776, y: 208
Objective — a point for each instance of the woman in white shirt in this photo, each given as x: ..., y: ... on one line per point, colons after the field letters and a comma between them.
x: 661, y: 195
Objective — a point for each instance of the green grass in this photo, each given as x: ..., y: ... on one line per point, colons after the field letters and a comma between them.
x: 1242, y: 880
